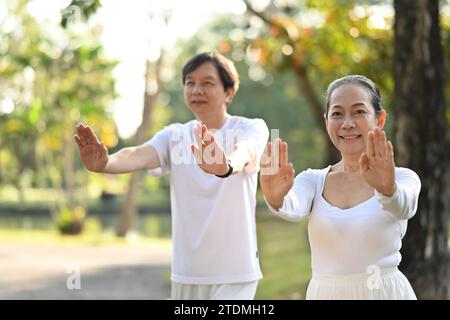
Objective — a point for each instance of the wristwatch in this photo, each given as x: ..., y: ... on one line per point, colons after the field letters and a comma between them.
x: 229, y: 172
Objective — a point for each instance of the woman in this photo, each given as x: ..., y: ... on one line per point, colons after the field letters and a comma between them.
x: 357, y: 208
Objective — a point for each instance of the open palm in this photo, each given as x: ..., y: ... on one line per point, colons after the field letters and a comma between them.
x: 377, y: 163
x: 93, y: 153
x: 277, y: 174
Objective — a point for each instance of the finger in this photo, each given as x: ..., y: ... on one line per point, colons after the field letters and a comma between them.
x: 79, y: 127
x: 211, y: 150
x: 379, y: 145
x: 266, y: 157
x: 78, y: 141
x: 269, y: 149
x: 283, y: 154
x: 364, y: 162
x: 390, y: 153
x: 370, y: 145
x: 207, y: 137
x: 292, y: 169
x: 197, y: 135
x: 215, y: 144
x: 80, y: 133
x: 204, y: 131
x: 375, y: 143
x: 92, y: 136
x: 86, y: 135
x: 276, y: 153
x: 196, y: 153
x: 383, y: 146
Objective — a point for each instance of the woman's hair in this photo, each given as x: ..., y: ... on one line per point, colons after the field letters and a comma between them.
x: 359, y: 80
x: 225, y: 67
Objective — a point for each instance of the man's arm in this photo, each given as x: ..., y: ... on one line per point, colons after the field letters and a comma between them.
x: 94, y: 154
x: 132, y: 159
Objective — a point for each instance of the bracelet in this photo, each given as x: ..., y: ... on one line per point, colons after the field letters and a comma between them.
x: 229, y: 172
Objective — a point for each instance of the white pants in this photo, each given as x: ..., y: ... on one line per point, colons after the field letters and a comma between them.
x: 387, y: 284
x: 230, y: 291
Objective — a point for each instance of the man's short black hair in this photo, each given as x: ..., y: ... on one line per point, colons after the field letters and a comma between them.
x: 225, y: 67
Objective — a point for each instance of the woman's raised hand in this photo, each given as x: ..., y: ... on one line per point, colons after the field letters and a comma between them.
x: 277, y: 174
x: 377, y: 163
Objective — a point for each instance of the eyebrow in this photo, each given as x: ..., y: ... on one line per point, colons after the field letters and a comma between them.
x: 203, y: 79
x: 355, y: 105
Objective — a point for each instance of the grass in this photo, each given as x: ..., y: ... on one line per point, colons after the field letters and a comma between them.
x: 52, y: 237
x: 284, y: 257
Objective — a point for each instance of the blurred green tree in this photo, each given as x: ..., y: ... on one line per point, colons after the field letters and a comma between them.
x: 319, y: 41
x: 51, y: 80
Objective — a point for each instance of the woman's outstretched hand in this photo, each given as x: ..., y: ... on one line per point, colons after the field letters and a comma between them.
x: 93, y: 152
x: 277, y: 174
x: 377, y: 163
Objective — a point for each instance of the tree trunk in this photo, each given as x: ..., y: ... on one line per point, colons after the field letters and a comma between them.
x: 129, y: 209
x: 419, y: 112
x: 331, y: 154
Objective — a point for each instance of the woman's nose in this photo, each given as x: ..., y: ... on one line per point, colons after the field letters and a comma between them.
x: 348, y: 122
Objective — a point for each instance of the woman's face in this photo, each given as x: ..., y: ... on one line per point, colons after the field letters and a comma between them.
x: 203, y: 90
x: 351, y: 116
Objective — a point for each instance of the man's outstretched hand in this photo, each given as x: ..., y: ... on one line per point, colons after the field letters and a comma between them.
x: 93, y: 152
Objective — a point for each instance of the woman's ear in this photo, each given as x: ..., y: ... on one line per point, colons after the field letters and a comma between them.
x: 381, y: 120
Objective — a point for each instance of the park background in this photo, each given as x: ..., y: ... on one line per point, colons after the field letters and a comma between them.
x: 116, y: 65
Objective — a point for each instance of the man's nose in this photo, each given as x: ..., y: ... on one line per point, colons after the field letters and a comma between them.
x: 197, y: 89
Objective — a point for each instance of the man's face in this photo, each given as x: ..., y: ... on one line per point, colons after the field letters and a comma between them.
x: 204, y: 93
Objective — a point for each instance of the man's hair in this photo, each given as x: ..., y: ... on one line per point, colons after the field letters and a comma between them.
x: 225, y: 67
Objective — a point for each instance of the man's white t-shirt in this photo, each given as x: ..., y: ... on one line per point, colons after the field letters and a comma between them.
x: 213, y: 219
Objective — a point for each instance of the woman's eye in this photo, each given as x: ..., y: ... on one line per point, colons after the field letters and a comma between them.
x: 335, y: 114
x: 360, y: 111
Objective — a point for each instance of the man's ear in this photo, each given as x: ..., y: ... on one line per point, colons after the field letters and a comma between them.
x: 229, y: 94
x: 381, y: 121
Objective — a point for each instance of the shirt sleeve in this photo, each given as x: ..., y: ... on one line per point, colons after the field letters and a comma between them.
x: 254, y: 139
x: 403, y: 203
x: 161, y: 142
x: 298, y: 202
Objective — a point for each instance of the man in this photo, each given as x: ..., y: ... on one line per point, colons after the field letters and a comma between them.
x: 213, y: 162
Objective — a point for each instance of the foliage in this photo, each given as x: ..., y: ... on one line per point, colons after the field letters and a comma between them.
x: 51, y: 80
x: 71, y: 221
x: 78, y: 9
